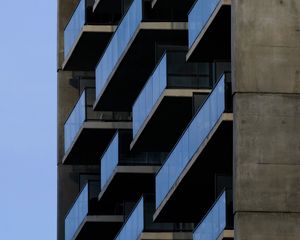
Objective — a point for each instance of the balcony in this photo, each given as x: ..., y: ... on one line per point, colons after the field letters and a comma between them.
x: 139, y: 225
x: 218, y: 222
x: 210, y: 30
x: 87, y: 133
x: 86, y: 35
x: 175, y: 9
x: 131, y: 55
x: 85, y: 221
x: 168, y: 94
x: 203, y: 151
x: 124, y: 174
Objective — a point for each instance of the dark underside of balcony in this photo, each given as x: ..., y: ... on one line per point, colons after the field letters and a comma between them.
x: 178, y: 9
x: 135, y: 68
x: 165, y: 126
x: 87, y: 51
x: 196, y: 192
x: 99, y: 230
x: 128, y: 186
x: 108, y: 7
x: 89, y: 146
x: 215, y: 42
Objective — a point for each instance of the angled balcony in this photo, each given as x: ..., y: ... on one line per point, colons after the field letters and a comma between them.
x: 210, y: 30
x: 139, y: 225
x: 124, y: 174
x: 173, y: 9
x: 86, y: 35
x: 168, y: 94
x: 131, y: 55
x: 87, y: 133
x: 85, y: 219
x: 203, y: 152
x: 218, y: 222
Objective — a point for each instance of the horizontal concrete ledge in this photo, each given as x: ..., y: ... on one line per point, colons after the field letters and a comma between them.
x: 88, y: 29
x: 137, y: 169
x: 207, y: 25
x: 104, y: 218
x: 98, y: 219
x: 163, y: 26
x: 166, y: 93
x: 166, y: 236
x: 128, y: 170
x: 226, y: 234
x: 106, y: 125
x: 224, y: 118
x: 184, y: 92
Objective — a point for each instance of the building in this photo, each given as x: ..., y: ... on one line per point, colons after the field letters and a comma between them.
x: 178, y: 119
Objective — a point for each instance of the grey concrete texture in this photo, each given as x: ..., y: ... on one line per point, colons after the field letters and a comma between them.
x: 267, y: 226
x: 266, y: 152
x: 266, y: 46
x: 66, y: 98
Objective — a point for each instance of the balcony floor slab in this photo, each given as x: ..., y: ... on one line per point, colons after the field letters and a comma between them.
x: 159, y: 131
x: 88, y: 47
x: 91, y: 141
x: 95, y: 227
x: 214, y: 40
x: 128, y: 182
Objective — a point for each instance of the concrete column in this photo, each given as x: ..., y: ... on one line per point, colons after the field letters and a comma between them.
x: 266, y: 86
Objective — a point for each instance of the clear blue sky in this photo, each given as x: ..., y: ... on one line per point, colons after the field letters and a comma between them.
x: 28, y: 119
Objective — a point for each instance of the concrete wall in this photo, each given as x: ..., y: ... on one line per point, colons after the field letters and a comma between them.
x: 67, y: 176
x: 266, y: 85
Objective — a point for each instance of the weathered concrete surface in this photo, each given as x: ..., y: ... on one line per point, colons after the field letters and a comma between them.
x: 266, y: 45
x: 267, y: 226
x: 65, y: 9
x: 267, y: 152
x: 266, y: 86
x: 67, y: 176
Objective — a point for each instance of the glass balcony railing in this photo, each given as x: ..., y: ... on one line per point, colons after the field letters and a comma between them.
x: 109, y: 160
x: 118, y: 153
x: 75, y: 25
x: 134, y: 224
x: 198, y: 17
x: 218, y: 102
x: 171, y: 72
x: 218, y: 219
x: 141, y: 220
x: 118, y: 44
x: 83, y: 111
x: 80, y: 209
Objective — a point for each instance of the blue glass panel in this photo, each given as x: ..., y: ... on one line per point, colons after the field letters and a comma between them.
x: 149, y: 95
x: 190, y: 141
x: 75, y: 121
x: 134, y: 225
x: 74, y: 27
x: 199, y: 16
x: 109, y: 160
x: 77, y: 214
x: 214, y: 222
x: 118, y: 44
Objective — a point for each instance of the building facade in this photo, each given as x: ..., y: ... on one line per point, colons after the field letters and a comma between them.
x: 178, y: 119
